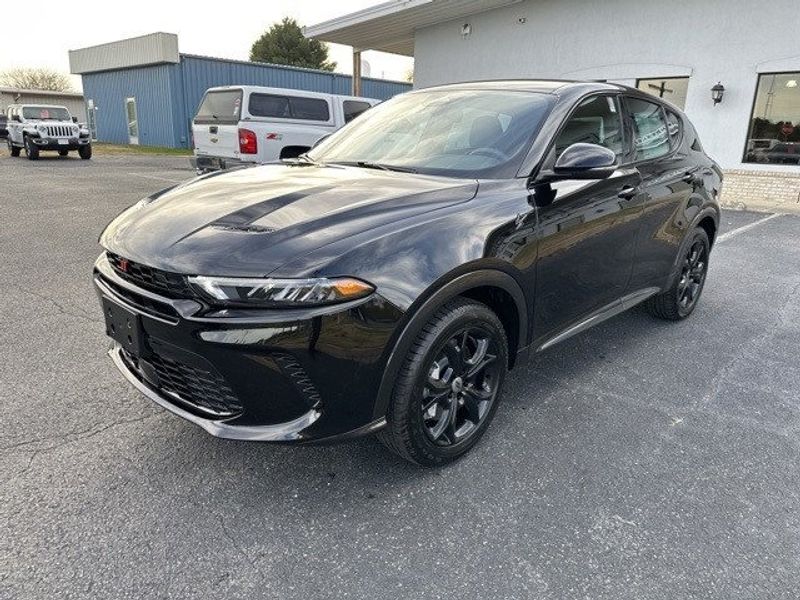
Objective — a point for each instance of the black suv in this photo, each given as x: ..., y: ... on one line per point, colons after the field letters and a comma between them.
x: 385, y: 281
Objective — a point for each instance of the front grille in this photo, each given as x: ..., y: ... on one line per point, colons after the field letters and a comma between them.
x: 143, y: 303
x: 60, y: 131
x: 204, y: 389
x: 172, y: 285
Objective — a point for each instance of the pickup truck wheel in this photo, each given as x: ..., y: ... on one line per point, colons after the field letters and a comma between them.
x: 31, y: 151
x: 85, y: 152
x: 63, y: 152
x: 14, y: 150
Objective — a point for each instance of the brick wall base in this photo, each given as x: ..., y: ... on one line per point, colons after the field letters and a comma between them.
x: 761, y: 190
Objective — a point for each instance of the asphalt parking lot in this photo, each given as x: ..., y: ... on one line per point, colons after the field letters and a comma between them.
x: 638, y: 460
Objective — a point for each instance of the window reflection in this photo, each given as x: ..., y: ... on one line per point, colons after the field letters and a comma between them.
x: 774, y: 135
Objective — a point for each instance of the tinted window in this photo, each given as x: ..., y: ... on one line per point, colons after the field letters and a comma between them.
x: 669, y: 88
x: 775, y: 122
x: 288, y: 107
x: 650, y: 138
x: 674, y: 128
x: 313, y: 109
x: 220, y: 107
x: 595, y: 121
x: 268, y: 105
x: 458, y: 133
x: 353, y: 108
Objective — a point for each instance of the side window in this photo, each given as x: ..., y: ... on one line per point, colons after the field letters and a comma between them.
x: 353, y: 108
x: 313, y: 109
x: 650, y: 137
x: 674, y: 129
x: 267, y: 105
x: 595, y: 121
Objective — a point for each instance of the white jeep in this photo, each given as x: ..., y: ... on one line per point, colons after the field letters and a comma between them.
x: 37, y: 127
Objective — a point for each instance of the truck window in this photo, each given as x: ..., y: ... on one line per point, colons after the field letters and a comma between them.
x: 221, y: 107
x: 353, y: 108
x: 288, y: 107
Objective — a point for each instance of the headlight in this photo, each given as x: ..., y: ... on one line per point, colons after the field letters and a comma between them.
x: 42, y: 128
x: 281, y: 292
x: 75, y: 130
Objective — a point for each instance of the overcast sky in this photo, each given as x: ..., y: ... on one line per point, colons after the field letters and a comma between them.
x: 216, y: 28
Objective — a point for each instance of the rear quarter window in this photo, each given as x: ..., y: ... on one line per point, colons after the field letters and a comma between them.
x: 223, y: 107
x: 353, y: 108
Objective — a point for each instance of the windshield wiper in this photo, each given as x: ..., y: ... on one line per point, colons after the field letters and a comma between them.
x: 366, y: 164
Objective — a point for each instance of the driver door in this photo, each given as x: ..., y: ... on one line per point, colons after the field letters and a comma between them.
x: 587, y: 229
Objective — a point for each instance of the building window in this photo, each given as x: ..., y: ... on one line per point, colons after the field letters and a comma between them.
x: 774, y: 135
x: 671, y: 89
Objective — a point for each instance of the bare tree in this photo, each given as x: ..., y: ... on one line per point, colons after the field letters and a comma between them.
x: 36, y: 79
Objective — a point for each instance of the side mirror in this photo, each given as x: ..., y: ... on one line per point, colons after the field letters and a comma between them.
x: 585, y: 161
x: 74, y: 119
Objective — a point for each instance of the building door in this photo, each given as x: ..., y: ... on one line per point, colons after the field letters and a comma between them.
x: 91, y: 119
x: 133, y: 120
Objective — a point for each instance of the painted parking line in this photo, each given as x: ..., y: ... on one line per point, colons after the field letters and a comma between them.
x: 728, y: 235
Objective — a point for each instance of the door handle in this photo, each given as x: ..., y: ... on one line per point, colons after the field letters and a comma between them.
x: 628, y: 192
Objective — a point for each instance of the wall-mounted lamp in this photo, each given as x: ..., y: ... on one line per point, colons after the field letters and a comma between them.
x: 466, y: 29
x: 717, y: 92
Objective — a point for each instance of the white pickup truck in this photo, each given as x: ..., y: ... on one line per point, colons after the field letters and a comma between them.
x: 249, y: 124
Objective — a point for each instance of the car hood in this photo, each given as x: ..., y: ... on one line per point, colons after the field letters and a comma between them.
x: 251, y: 221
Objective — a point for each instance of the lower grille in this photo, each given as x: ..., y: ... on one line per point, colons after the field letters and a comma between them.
x: 204, y: 389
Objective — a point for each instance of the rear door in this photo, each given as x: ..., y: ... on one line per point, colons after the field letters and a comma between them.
x: 216, y: 126
x: 669, y: 179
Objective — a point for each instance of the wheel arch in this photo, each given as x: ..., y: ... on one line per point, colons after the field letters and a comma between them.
x: 495, y: 288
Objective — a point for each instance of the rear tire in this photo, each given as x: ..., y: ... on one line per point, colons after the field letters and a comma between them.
x: 681, y: 298
x: 31, y: 151
x: 14, y: 150
x: 448, y: 388
x: 85, y: 152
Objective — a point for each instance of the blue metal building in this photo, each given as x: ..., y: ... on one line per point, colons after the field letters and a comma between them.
x: 143, y: 90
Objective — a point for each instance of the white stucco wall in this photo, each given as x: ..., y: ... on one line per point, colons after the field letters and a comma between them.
x: 621, y: 40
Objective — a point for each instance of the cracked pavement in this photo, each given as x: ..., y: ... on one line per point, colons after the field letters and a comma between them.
x: 639, y: 460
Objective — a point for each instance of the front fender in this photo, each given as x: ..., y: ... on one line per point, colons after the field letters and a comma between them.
x: 423, y: 310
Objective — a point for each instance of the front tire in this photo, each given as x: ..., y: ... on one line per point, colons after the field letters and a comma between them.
x: 680, y: 300
x: 31, y: 150
x: 449, y: 386
x: 85, y: 152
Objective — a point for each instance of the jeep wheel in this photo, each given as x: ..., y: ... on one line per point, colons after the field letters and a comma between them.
x: 85, y: 152
x: 14, y: 150
x: 31, y: 151
x: 448, y: 388
x: 63, y: 152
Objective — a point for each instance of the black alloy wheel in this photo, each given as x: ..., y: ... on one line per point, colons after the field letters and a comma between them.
x: 693, y: 275
x: 681, y: 298
x: 449, y: 386
x: 461, y: 386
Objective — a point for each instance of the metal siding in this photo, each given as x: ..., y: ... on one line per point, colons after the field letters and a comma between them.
x: 155, y: 48
x: 151, y: 88
x: 167, y: 96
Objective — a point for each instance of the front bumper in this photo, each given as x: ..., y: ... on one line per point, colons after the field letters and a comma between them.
x: 280, y: 375
x: 44, y: 143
